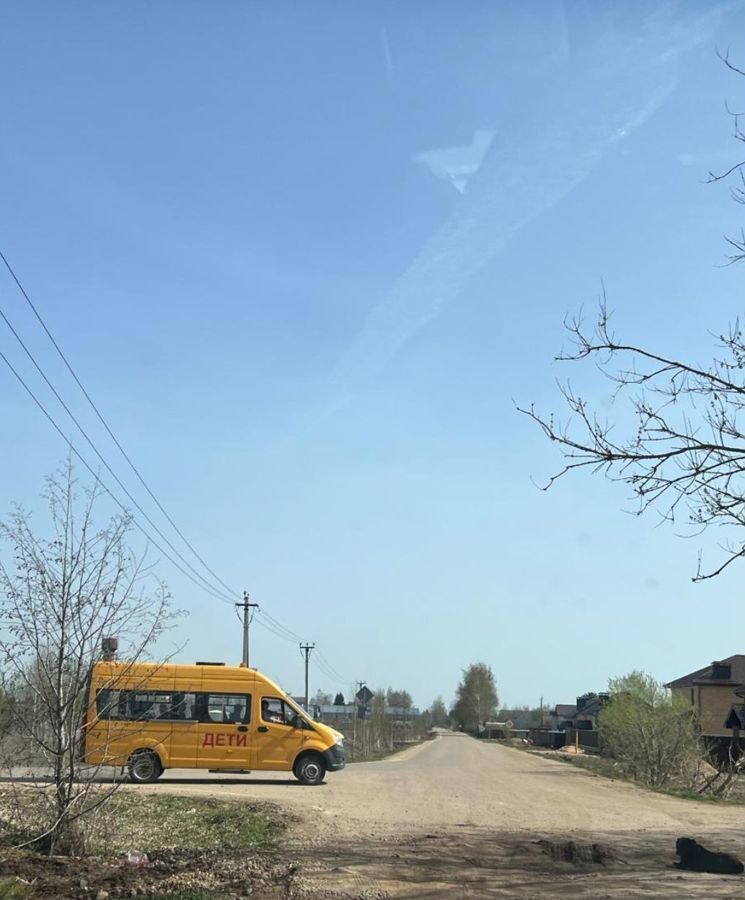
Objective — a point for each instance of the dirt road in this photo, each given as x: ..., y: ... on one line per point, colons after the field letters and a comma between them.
x: 459, y: 818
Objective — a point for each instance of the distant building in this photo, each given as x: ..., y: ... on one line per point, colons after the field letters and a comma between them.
x: 560, y: 717
x: 333, y: 714
x: 711, y: 693
x: 585, y: 716
x: 344, y: 715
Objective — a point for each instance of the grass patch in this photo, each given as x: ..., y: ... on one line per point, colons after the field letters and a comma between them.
x: 13, y: 890
x: 198, y: 823
x: 603, y: 766
x: 158, y: 822
x: 135, y: 820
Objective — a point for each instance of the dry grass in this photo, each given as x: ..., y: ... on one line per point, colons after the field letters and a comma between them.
x: 135, y: 820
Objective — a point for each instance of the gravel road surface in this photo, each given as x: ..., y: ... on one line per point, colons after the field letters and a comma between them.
x: 456, y: 817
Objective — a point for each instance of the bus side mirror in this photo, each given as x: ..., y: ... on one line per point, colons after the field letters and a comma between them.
x: 295, y: 721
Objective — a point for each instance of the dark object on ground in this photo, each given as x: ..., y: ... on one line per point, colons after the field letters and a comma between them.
x: 696, y: 858
x: 574, y: 852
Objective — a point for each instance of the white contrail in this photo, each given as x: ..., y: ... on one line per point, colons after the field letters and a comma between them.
x: 532, y: 165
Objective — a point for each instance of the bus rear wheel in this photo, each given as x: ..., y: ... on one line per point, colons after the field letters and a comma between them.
x: 144, y: 767
x: 310, y: 769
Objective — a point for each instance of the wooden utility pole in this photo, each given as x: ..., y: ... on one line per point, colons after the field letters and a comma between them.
x: 246, y: 606
x: 307, y: 648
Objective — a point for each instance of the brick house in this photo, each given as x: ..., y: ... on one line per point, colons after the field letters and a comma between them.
x: 711, y: 693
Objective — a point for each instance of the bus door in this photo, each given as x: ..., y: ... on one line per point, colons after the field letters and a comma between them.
x: 223, y: 730
x: 185, y: 724
x: 278, y: 740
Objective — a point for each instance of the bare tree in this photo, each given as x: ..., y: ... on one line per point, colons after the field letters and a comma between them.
x: 737, y: 170
x: 60, y: 595
x: 399, y: 698
x: 683, y: 453
x: 683, y: 449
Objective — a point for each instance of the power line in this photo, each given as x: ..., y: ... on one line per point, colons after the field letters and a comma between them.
x: 275, y: 627
x: 108, y: 490
x: 106, y: 425
x: 272, y: 630
x: 328, y: 664
x: 277, y: 624
x: 113, y: 474
x: 327, y: 672
x: 272, y: 624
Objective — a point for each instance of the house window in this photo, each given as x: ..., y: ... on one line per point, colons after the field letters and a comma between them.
x: 693, y: 701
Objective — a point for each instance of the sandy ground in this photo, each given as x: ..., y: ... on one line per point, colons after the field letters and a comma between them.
x: 459, y: 818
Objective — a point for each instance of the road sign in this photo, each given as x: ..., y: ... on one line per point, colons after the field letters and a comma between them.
x: 364, y: 694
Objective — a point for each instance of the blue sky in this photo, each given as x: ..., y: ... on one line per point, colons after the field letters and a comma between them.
x: 306, y: 257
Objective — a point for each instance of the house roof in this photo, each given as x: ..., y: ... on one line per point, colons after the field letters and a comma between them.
x: 704, y: 676
x: 565, y: 710
x: 591, y: 708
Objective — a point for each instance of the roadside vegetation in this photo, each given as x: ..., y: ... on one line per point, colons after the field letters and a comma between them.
x: 66, y: 585
x: 476, y: 698
x: 132, y: 820
x: 195, y: 848
x: 652, y: 738
x: 380, y: 734
x: 650, y: 734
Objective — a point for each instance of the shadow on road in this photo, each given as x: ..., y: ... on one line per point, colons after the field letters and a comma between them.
x: 485, y: 863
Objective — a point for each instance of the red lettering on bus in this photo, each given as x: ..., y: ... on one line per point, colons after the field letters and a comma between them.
x: 219, y: 740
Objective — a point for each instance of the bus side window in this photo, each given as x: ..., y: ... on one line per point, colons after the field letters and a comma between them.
x: 184, y: 707
x: 200, y: 708
x: 239, y: 709
x: 226, y: 708
x: 109, y: 703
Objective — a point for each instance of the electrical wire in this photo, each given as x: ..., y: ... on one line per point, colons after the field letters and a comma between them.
x: 281, y: 631
x: 278, y: 625
x: 273, y: 625
x: 334, y: 676
x: 105, y: 424
x: 328, y: 665
x: 99, y: 455
x: 108, y: 490
x: 274, y: 631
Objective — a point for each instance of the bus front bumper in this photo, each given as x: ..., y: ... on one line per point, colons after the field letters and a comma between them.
x: 335, y: 758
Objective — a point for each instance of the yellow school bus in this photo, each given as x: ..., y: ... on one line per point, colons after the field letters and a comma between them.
x: 149, y: 717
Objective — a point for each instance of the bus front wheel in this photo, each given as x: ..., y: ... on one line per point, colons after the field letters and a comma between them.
x: 310, y: 769
x: 144, y: 767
